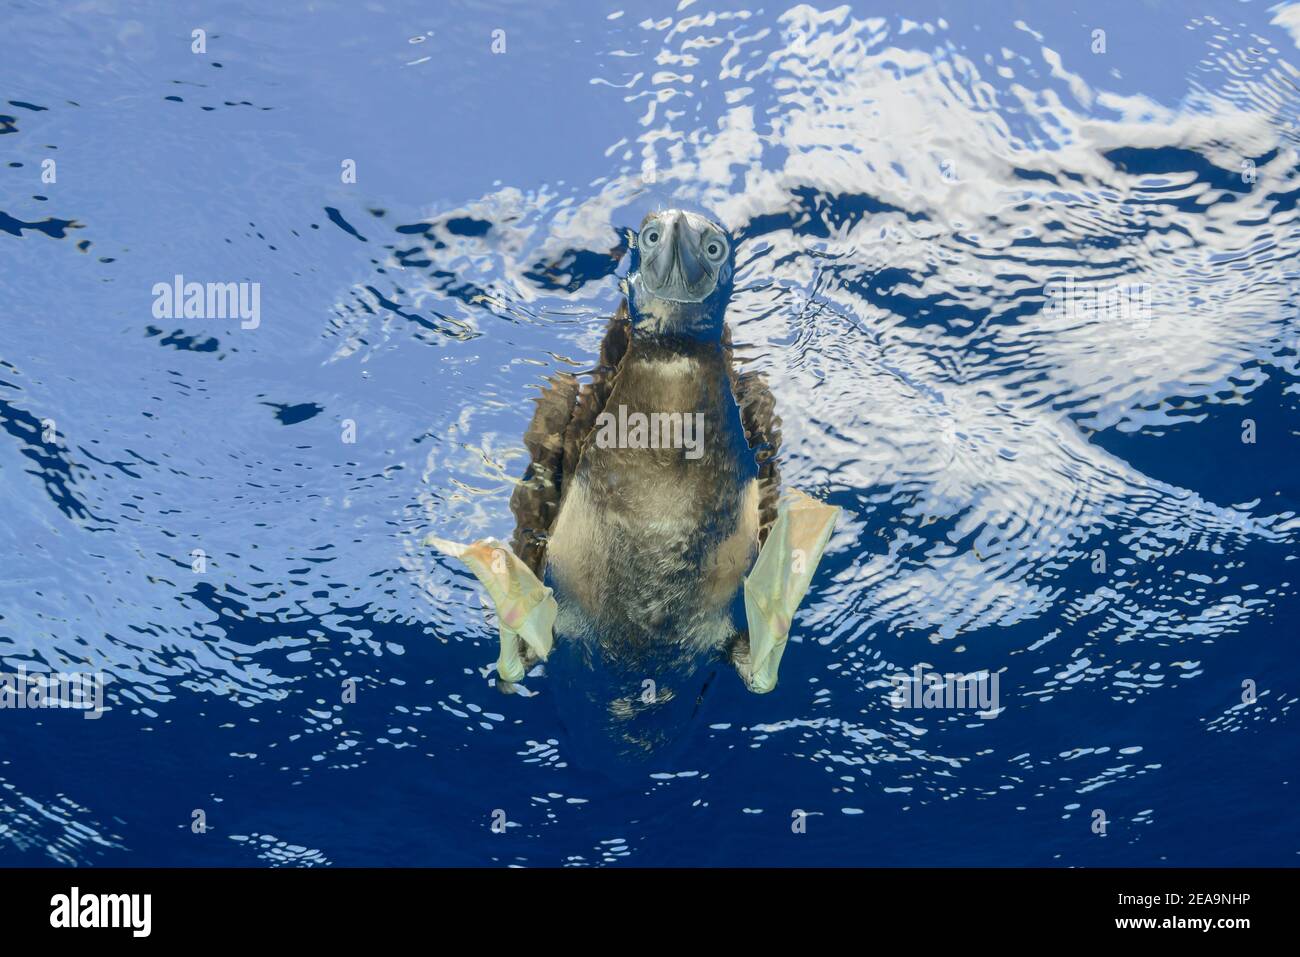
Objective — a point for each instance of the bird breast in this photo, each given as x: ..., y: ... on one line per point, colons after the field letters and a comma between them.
x: 654, y: 537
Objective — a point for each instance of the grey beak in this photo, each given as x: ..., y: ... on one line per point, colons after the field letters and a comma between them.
x: 688, y: 266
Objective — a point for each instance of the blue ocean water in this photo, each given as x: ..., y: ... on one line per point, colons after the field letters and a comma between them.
x: 1096, y: 504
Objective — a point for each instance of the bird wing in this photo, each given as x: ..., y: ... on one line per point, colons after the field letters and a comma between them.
x: 762, y: 431
x: 563, y: 420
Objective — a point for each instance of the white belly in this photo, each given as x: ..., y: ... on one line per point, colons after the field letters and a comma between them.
x: 655, y: 565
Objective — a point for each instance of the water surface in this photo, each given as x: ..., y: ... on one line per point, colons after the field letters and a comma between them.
x: 1063, y: 498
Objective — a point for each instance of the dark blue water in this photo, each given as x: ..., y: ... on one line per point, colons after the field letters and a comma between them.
x: 905, y: 188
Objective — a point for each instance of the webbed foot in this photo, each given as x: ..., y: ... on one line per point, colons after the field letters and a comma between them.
x: 779, y: 580
x: 526, y: 609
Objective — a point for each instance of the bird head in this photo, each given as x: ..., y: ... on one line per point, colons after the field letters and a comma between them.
x: 681, y: 275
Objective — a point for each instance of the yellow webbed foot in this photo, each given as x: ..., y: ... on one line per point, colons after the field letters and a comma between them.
x: 779, y: 580
x: 525, y: 607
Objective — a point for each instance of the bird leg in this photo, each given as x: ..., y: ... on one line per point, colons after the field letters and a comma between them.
x: 779, y: 580
x: 525, y: 607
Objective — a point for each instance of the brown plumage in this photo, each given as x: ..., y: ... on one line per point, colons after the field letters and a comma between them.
x: 565, y: 418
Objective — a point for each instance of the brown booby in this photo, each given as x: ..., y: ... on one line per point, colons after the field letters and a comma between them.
x: 650, y: 525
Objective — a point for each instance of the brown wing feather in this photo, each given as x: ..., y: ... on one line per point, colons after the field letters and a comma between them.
x: 595, y: 394
x: 565, y: 416
x: 536, y: 499
x: 763, y: 432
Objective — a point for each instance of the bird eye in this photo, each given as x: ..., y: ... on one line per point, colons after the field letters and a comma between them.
x: 715, y: 249
x: 651, y: 237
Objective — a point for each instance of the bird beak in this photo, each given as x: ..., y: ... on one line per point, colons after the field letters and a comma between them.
x: 688, y: 268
